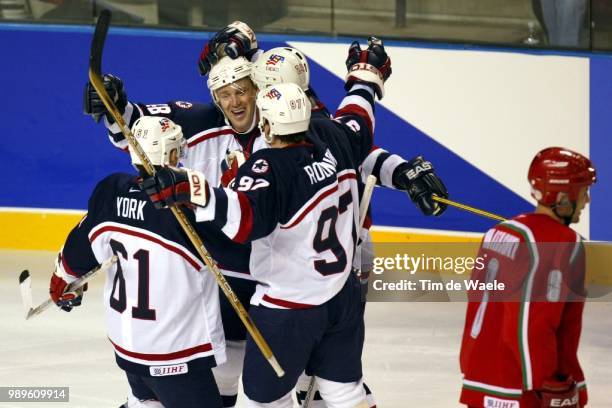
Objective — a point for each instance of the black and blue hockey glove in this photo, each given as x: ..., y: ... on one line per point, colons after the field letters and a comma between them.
x: 92, y: 103
x: 418, y: 179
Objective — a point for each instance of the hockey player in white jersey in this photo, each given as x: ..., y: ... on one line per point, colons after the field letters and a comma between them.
x: 296, y: 203
x: 162, y: 307
x: 288, y: 65
x: 210, y: 131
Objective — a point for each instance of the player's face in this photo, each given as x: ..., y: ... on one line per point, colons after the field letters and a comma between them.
x: 237, y: 101
x: 583, y: 199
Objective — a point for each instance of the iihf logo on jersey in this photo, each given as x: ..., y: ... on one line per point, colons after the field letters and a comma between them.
x: 274, y: 59
x: 165, y: 124
x: 273, y: 93
x: 162, y: 371
x: 260, y: 166
x: 492, y: 402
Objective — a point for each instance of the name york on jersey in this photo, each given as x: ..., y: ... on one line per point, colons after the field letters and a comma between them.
x: 319, y: 171
x: 130, y: 208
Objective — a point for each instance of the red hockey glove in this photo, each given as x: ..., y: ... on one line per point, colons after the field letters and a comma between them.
x: 371, y: 66
x: 57, y: 290
x: 559, y: 392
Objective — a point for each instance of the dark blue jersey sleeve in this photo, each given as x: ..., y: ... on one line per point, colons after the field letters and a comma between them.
x: 250, y: 210
x: 192, y: 117
x: 77, y: 256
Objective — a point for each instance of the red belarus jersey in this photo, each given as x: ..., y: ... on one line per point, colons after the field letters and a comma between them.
x: 513, y: 341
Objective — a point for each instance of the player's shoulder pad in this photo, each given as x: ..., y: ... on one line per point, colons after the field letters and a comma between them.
x: 323, y: 126
x: 195, y: 117
x: 113, y: 183
x: 263, y: 161
x: 195, y: 108
x: 506, y: 231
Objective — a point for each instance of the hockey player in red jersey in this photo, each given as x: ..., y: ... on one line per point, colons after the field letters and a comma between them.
x: 164, y: 341
x: 519, y: 348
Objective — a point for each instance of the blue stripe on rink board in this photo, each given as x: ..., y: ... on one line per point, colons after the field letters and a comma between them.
x: 601, y: 146
x: 55, y: 154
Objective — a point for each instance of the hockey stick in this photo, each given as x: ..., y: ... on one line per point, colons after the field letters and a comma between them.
x: 25, y: 285
x: 468, y: 208
x: 365, y: 199
x: 363, y: 211
x: 95, y: 76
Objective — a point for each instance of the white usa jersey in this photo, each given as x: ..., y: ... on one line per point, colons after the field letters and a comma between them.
x: 209, y: 139
x: 162, y: 307
x: 298, y: 206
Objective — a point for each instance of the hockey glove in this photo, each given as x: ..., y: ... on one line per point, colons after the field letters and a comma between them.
x: 57, y: 290
x: 418, y: 179
x: 92, y: 103
x: 371, y: 66
x: 559, y: 392
x: 172, y: 185
x: 235, y: 40
x: 229, y: 166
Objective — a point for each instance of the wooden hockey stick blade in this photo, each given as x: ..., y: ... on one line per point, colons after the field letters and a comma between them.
x: 77, y: 284
x: 468, y: 208
x: 25, y: 287
x: 95, y: 77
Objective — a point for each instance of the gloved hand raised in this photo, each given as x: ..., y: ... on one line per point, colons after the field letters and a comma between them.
x: 235, y: 40
x: 371, y: 66
x: 92, y: 103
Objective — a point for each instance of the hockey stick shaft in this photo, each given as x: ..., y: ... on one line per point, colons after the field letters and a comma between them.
x: 468, y: 208
x: 366, y: 198
x: 77, y: 284
x: 95, y: 76
x: 363, y: 212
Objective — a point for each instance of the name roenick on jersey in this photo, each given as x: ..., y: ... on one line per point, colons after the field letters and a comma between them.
x: 319, y: 171
x: 318, y: 208
x: 209, y: 138
x: 130, y: 208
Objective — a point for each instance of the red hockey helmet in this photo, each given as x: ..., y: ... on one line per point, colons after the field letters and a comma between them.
x: 557, y: 170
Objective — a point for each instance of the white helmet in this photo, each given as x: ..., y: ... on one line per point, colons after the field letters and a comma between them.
x: 158, y: 137
x: 286, y: 108
x: 227, y: 71
x: 281, y: 65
